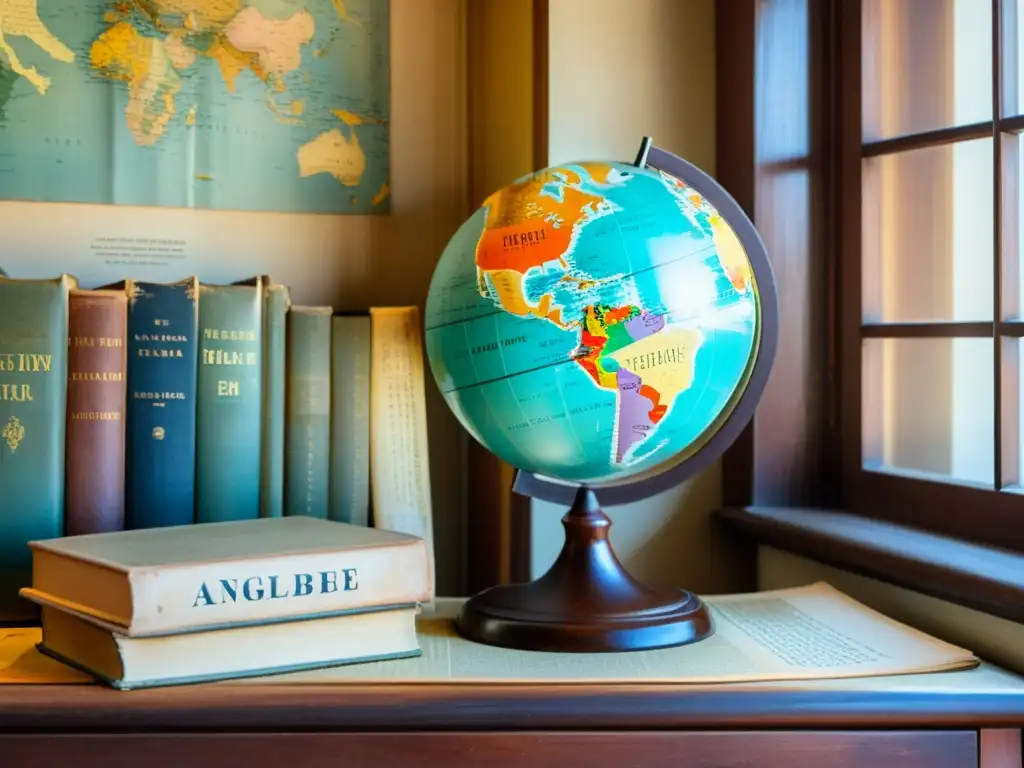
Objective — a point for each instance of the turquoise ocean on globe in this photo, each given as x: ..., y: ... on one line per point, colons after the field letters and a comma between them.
x: 593, y: 322
x: 269, y: 105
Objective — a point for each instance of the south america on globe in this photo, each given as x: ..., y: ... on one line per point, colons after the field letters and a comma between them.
x: 593, y: 322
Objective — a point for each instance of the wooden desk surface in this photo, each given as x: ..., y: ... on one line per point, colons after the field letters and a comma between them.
x: 986, y: 697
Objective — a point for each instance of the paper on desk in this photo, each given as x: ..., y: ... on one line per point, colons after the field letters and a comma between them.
x: 812, y: 632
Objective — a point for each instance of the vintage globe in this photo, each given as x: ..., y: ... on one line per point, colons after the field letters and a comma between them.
x: 595, y: 322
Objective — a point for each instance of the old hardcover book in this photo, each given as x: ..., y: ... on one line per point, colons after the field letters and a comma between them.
x: 160, y: 469
x: 97, y: 381
x: 350, y: 419
x: 33, y: 394
x: 308, y: 415
x: 399, y: 454
x: 103, y: 651
x: 218, y: 574
x: 276, y: 301
x: 229, y: 402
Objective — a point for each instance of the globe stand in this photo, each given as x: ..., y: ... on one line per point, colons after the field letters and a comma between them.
x: 586, y: 602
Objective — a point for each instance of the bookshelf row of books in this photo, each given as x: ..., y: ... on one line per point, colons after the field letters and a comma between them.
x: 142, y: 405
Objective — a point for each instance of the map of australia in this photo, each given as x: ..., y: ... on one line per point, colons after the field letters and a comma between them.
x: 277, y: 105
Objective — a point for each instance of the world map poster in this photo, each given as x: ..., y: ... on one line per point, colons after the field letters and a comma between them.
x: 251, y: 105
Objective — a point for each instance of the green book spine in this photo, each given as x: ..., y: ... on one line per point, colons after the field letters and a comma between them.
x: 275, y: 313
x: 33, y: 392
x: 308, y: 415
x: 350, y: 419
x: 229, y: 403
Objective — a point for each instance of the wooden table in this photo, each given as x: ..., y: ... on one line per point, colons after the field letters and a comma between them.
x: 949, y: 720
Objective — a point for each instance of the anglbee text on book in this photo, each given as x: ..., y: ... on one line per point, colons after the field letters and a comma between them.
x: 273, y: 587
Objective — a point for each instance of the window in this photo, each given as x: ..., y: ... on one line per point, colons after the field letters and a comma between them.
x: 929, y: 227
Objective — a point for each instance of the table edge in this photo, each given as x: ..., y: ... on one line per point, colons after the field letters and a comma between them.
x: 318, y: 707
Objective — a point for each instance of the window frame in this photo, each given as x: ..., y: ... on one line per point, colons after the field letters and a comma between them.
x: 775, y: 163
x: 988, y: 516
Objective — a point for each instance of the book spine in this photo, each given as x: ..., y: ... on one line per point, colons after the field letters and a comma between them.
x: 350, y: 420
x: 97, y: 382
x: 399, y: 454
x: 290, y: 586
x: 161, y: 405
x: 308, y: 417
x: 229, y: 403
x: 33, y: 391
x: 275, y: 313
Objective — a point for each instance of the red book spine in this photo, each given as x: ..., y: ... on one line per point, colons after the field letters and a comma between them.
x: 97, y: 381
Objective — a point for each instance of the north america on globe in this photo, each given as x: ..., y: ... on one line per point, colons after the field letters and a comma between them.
x: 592, y: 321
x: 276, y: 105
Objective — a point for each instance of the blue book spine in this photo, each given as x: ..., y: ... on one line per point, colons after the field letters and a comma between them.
x: 308, y: 416
x: 229, y: 403
x: 161, y: 411
x: 33, y: 390
x: 275, y: 309
x: 350, y: 420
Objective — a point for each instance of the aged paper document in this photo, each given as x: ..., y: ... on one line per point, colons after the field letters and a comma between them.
x: 811, y: 632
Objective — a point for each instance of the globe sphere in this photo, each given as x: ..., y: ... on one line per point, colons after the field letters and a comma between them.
x: 594, y: 322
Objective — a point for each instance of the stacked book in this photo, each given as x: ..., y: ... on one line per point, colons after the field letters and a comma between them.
x: 216, y: 601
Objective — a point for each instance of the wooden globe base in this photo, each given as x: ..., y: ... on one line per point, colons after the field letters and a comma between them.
x: 586, y: 602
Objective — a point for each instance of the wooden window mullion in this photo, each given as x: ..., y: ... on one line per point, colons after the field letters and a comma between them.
x: 997, y: 272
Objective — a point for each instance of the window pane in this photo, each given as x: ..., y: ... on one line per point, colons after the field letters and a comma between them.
x: 928, y: 407
x: 1010, y: 433
x: 927, y: 65
x: 1012, y: 225
x: 928, y: 239
x: 1013, y: 62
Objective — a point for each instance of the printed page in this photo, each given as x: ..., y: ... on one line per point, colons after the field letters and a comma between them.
x: 812, y: 632
x: 817, y: 631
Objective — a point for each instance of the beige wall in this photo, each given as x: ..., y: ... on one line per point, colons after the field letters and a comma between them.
x: 346, y: 261
x: 500, y: 69
x: 620, y: 71
x: 994, y: 639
